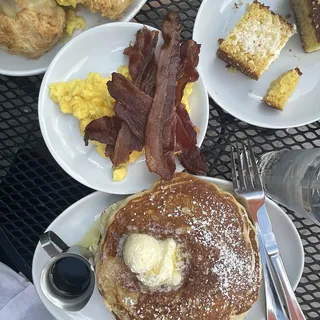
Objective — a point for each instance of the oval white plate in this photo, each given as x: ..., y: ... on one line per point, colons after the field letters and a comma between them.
x: 16, y: 65
x: 241, y: 96
x: 99, y: 50
x: 74, y: 222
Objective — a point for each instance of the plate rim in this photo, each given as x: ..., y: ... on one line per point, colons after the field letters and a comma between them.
x: 37, y: 71
x: 217, y: 99
x: 224, y: 184
x: 41, y: 98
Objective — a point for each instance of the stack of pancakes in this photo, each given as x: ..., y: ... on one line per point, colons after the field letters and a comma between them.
x: 221, y: 271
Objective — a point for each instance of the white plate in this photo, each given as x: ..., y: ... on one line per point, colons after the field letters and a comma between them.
x: 74, y: 222
x: 241, y: 96
x: 16, y: 65
x: 99, y: 50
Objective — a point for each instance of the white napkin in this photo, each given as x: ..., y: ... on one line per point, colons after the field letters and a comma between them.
x: 19, y: 299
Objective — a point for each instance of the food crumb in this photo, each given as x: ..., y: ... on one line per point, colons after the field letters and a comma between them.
x: 231, y: 68
x: 288, y: 16
x: 216, y: 93
x: 290, y: 50
x: 220, y: 40
x: 250, y: 91
x: 237, y: 4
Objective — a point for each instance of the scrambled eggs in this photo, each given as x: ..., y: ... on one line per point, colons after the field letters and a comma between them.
x: 73, y: 22
x: 186, y: 94
x: 89, y: 99
x: 69, y: 2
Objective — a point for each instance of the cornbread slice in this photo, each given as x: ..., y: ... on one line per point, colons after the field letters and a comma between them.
x: 308, y: 19
x: 256, y: 41
x: 281, y: 89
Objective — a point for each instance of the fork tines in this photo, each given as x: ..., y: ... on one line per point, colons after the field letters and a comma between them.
x: 244, y: 168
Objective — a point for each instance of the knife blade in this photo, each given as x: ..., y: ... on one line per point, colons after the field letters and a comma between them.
x: 272, y: 249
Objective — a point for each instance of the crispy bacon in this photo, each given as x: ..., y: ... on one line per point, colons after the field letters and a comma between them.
x: 142, y: 68
x: 128, y: 144
x: 142, y: 61
x: 190, y: 156
x: 189, y: 59
x: 186, y: 140
x: 193, y: 160
x: 186, y: 135
x: 161, y: 123
x: 148, y: 110
x: 134, y: 104
x: 104, y: 130
x: 135, y: 115
x: 139, y: 104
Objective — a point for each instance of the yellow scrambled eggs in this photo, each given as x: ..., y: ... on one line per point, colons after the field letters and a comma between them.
x: 73, y: 22
x: 69, y: 2
x: 89, y: 99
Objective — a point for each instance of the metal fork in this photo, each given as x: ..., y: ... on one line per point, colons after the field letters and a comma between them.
x: 247, y: 185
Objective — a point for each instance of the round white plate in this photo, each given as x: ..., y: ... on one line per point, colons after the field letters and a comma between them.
x: 99, y: 50
x: 16, y: 65
x: 238, y: 94
x: 74, y: 222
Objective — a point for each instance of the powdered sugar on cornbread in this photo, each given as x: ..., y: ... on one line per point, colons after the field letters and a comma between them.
x: 256, y: 40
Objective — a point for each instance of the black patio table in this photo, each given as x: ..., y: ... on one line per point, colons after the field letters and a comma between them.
x: 35, y: 190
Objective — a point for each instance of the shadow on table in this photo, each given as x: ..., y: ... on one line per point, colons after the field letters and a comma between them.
x: 34, y: 191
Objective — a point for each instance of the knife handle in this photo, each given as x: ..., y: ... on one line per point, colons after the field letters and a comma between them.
x: 293, y: 307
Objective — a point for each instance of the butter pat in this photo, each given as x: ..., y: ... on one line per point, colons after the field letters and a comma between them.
x: 153, y: 261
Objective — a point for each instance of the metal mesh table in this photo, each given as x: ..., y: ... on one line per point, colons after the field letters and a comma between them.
x: 35, y: 190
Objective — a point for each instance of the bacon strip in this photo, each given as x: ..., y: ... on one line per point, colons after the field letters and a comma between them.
x: 193, y: 160
x: 142, y: 68
x: 134, y: 104
x: 186, y: 140
x: 186, y: 135
x: 142, y: 61
x: 190, y: 156
x: 128, y: 144
x: 160, y: 130
x: 189, y: 56
x: 104, y: 130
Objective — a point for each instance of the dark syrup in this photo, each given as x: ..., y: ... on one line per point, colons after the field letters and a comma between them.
x: 71, y: 276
